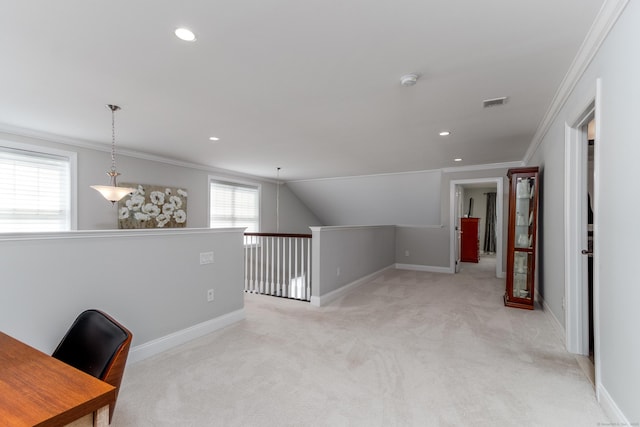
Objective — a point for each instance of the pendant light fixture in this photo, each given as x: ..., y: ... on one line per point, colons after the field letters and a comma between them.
x: 112, y: 192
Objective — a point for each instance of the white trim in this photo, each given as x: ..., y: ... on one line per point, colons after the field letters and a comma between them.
x: 159, y: 345
x: 367, y: 175
x: 552, y: 317
x: 428, y: 268
x: 419, y: 226
x: 499, y: 182
x: 49, y: 137
x: 345, y: 227
x: 487, y: 166
x: 115, y: 233
x: 610, y: 408
x: 319, y: 301
x: 604, y: 22
x: 576, y: 298
x: 226, y: 180
x: 72, y: 156
x: 597, y: 358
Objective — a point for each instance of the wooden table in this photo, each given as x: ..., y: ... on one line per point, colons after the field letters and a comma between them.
x: 38, y: 390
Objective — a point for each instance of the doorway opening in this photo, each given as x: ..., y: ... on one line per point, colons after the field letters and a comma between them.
x: 581, y: 196
x: 476, y: 218
x: 591, y: 140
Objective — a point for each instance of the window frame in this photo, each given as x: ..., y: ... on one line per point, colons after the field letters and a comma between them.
x: 241, y: 183
x: 72, y: 157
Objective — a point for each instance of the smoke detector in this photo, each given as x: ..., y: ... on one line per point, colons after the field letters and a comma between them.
x: 409, y: 79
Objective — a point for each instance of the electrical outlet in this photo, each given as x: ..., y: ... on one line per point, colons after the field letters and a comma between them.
x: 210, y: 295
x: 338, y: 271
x: 206, y: 258
x: 406, y: 253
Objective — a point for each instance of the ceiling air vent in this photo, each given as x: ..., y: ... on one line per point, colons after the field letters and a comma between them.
x: 495, y: 102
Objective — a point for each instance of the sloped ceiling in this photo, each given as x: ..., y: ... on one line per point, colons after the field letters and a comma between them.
x: 308, y: 86
x: 394, y: 199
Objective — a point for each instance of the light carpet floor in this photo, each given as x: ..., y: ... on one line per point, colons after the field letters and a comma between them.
x: 406, y: 349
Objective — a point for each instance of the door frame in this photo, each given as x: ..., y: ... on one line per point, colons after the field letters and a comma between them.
x: 575, y: 224
x: 576, y: 280
x: 499, y: 182
x: 457, y: 227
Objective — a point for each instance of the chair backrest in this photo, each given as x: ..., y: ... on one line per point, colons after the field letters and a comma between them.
x: 98, y: 345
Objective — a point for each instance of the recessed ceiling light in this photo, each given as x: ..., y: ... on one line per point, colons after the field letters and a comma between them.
x: 457, y: 160
x: 214, y: 138
x: 445, y: 133
x: 185, y: 34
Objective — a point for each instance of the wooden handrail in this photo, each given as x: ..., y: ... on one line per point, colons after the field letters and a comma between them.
x: 302, y: 236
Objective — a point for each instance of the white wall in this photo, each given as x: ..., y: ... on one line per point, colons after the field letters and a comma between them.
x: 497, y: 172
x: 94, y: 213
x: 150, y: 280
x: 160, y: 288
x: 402, y: 198
x: 341, y: 256
x: 295, y: 217
x: 423, y: 221
x: 424, y: 248
x: 617, y: 64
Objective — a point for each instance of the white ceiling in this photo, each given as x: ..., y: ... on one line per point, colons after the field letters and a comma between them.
x: 310, y: 86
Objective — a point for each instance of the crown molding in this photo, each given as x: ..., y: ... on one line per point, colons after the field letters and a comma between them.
x: 487, y: 166
x: 332, y: 178
x: 602, y: 25
x: 50, y: 137
x: 470, y: 168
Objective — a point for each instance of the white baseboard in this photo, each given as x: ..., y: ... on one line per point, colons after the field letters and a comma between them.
x: 558, y: 326
x: 502, y: 275
x: 334, y: 295
x: 418, y: 267
x: 610, y: 408
x: 151, y: 348
x: 604, y: 398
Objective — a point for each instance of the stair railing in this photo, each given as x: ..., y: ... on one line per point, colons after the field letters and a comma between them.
x: 278, y: 264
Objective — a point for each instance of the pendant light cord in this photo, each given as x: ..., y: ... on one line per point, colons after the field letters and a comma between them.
x: 278, y: 203
x: 113, y: 139
x: 113, y: 109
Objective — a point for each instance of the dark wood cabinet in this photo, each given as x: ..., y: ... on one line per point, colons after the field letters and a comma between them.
x: 523, y: 222
x: 470, y: 239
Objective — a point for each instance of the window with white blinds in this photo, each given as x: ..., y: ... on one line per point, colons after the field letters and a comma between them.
x: 234, y: 205
x: 35, y: 191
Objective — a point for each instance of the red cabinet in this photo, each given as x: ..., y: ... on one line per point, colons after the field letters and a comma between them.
x: 470, y: 239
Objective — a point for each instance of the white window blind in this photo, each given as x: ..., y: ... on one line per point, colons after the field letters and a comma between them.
x: 234, y: 205
x: 35, y: 191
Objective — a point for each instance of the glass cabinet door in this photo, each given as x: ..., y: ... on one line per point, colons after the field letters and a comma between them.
x: 525, y: 188
x: 521, y: 269
x: 523, y: 202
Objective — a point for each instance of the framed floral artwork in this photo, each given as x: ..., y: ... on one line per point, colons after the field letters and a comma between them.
x: 153, y: 206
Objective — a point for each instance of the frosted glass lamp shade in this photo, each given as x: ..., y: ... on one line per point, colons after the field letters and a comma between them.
x: 112, y: 193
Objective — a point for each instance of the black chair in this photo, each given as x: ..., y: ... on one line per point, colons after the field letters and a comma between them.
x: 98, y: 345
